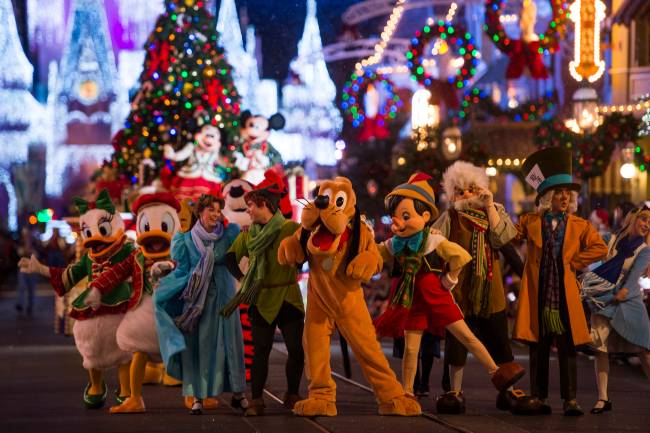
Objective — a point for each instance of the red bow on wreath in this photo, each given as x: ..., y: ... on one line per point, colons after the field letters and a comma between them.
x: 525, y: 55
x: 373, y: 128
x: 159, y: 59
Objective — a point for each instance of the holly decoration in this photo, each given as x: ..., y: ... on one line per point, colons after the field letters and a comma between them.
x: 186, y: 81
x: 355, y: 89
x: 480, y: 101
x: 592, y: 152
x: 460, y: 41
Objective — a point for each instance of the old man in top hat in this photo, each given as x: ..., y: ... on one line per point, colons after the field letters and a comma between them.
x: 559, y: 244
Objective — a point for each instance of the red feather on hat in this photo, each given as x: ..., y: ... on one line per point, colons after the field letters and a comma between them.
x: 420, y: 177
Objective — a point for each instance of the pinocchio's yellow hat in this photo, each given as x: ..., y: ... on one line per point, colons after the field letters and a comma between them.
x: 417, y: 188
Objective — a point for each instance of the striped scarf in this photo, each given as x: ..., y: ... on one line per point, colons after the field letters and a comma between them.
x: 550, y: 275
x: 410, y: 262
x: 481, y: 279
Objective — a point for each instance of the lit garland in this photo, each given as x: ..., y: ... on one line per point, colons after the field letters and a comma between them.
x: 477, y: 99
x: 186, y: 80
x: 587, y: 16
x: 386, y: 36
x: 355, y: 88
x: 461, y: 42
x: 592, y: 152
x: 548, y: 40
x: 642, y: 104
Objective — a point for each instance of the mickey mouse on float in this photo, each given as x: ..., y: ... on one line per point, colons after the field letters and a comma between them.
x: 255, y: 154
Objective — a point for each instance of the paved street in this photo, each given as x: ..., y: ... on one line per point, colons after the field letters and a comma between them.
x: 42, y: 382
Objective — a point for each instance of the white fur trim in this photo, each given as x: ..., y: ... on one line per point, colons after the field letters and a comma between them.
x: 137, y: 332
x: 96, y: 342
x: 461, y: 174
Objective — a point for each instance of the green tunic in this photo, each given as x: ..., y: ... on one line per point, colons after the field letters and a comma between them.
x: 281, y: 284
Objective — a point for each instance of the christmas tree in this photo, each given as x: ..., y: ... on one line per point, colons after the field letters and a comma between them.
x: 186, y: 82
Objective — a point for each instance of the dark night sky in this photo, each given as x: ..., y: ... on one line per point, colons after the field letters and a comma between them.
x: 280, y: 24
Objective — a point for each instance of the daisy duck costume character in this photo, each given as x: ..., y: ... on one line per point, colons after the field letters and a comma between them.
x: 98, y: 312
x: 427, y: 266
x: 201, y: 173
x: 156, y: 221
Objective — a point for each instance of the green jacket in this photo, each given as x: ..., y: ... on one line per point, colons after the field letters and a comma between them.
x: 281, y: 284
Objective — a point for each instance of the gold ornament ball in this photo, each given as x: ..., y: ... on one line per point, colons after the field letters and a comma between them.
x: 209, y: 72
x: 187, y: 88
x: 147, y: 153
x: 189, y: 3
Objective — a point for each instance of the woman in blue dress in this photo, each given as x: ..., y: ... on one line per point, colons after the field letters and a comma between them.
x: 619, y: 321
x: 198, y: 346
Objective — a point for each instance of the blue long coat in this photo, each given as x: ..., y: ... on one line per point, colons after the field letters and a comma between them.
x: 209, y: 360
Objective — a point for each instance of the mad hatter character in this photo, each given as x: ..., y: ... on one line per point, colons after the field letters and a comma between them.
x: 558, y: 244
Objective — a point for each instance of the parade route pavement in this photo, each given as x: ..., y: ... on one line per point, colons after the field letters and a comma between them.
x: 42, y: 381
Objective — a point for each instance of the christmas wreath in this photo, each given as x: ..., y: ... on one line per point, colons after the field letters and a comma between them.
x: 526, y: 54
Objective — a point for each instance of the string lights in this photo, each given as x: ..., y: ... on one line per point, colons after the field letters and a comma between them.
x: 355, y: 89
x: 460, y: 41
x: 386, y: 36
x: 587, y: 16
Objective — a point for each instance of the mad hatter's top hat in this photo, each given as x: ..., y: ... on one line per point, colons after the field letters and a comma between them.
x: 549, y: 168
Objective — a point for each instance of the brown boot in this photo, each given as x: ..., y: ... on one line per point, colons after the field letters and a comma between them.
x: 289, y: 400
x: 507, y: 374
x: 255, y: 407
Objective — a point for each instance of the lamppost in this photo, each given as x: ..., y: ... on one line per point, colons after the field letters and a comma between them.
x: 585, y: 111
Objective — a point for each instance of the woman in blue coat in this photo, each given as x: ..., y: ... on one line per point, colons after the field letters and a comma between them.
x: 619, y: 321
x: 198, y: 346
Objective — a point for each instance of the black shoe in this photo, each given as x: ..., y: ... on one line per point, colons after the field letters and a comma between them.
x: 423, y: 391
x: 530, y: 405
x: 507, y: 400
x: 239, y: 403
x: 605, y: 408
x: 19, y: 307
x: 571, y: 408
x: 545, y: 409
x: 452, y: 402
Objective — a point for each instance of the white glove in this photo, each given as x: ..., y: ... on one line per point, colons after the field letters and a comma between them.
x: 94, y: 298
x: 447, y: 283
x: 33, y: 266
x: 160, y: 269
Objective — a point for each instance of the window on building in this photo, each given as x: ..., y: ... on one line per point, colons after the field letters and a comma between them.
x: 642, y: 36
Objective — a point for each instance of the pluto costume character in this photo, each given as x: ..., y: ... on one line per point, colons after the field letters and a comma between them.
x: 98, y: 312
x: 342, y: 252
x: 156, y: 222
